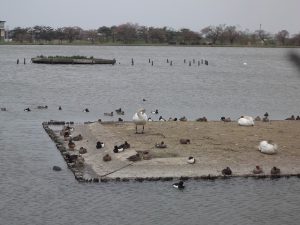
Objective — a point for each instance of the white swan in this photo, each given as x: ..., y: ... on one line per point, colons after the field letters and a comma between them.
x: 246, y: 121
x: 267, y: 148
x: 140, y: 118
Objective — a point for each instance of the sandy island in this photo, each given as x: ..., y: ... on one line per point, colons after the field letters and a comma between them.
x: 214, y: 144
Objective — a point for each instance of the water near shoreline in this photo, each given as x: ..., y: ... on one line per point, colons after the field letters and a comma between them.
x: 31, y: 193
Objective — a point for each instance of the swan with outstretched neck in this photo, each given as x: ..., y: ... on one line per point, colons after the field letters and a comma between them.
x: 140, y: 118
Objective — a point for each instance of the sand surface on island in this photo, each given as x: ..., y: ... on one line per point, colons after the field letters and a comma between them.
x: 214, y: 144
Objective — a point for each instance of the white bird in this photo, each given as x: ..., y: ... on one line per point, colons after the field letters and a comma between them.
x: 267, y: 148
x: 246, y: 121
x: 191, y: 160
x: 140, y: 118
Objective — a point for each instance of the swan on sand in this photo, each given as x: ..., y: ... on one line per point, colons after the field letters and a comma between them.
x: 246, y: 121
x: 140, y: 118
x: 267, y: 147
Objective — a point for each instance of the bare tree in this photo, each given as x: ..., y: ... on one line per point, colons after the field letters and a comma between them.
x: 127, y: 33
x: 281, y: 36
x: 189, y: 37
x: 213, y: 33
x: 262, y: 35
x: 231, y: 33
x: 157, y: 35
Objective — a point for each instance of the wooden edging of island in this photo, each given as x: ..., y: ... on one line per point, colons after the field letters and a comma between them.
x: 174, y: 168
x: 71, y: 60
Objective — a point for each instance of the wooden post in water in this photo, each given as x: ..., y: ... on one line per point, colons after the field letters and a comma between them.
x: 190, y: 63
x: 198, y: 63
x: 152, y: 63
x: 149, y: 60
x: 184, y: 61
x: 132, y: 62
x: 24, y: 61
x: 171, y: 63
x: 17, y: 61
x: 167, y: 60
x: 206, y: 62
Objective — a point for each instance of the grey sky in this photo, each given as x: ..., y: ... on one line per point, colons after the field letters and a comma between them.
x: 274, y: 15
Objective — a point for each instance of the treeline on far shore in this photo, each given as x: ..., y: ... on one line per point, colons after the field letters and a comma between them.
x: 141, y: 35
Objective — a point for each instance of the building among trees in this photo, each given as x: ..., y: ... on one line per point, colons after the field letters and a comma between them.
x: 2, y: 30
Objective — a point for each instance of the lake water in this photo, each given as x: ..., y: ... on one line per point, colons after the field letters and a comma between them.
x: 237, y: 81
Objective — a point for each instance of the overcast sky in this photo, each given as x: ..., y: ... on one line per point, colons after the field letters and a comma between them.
x: 273, y: 15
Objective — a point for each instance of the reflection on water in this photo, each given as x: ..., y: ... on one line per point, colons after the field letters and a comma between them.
x: 31, y: 193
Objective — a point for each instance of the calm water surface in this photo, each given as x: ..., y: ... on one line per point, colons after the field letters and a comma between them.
x: 31, y: 193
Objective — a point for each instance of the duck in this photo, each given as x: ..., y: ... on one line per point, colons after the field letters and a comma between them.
x: 257, y: 170
x: 3, y: 109
x: 225, y: 119
x: 291, y: 118
x: 42, y: 107
x: 203, y: 119
x: 82, y: 150
x: 99, y: 145
x: 183, y: 119
x: 109, y: 114
x: 191, y: 160
x: 134, y: 158
x: 266, y: 114
x: 27, y: 110
x: 120, y: 119
x: 185, y: 141
x: 59, y: 108
x: 140, y: 118
x: 275, y: 171
x: 265, y: 119
x: 246, y: 121
x: 126, y: 145
x: 267, y: 147
x: 227, y: 171
x: 77, y: 138
x: 86, y: 110
x: 106, y: 158
x: 149, y: 119
x: 160, y: 145
x: 71, y: 144
x: 161, y: 119
x: 119, y: 111
x: 179, y: 185
x: 155, y: 112
x: 257, y: 118
x: 118, y: 149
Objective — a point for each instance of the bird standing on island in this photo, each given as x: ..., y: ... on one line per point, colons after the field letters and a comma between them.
x: 140, y: 118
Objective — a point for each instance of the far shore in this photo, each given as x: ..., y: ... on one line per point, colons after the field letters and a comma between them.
x: 214, y: 144
x: 142, y: 45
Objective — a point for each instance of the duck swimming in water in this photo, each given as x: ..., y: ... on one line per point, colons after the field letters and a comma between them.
x: 179, y: 185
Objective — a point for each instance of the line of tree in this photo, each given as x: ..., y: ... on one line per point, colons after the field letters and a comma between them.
x: 130, y: 33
